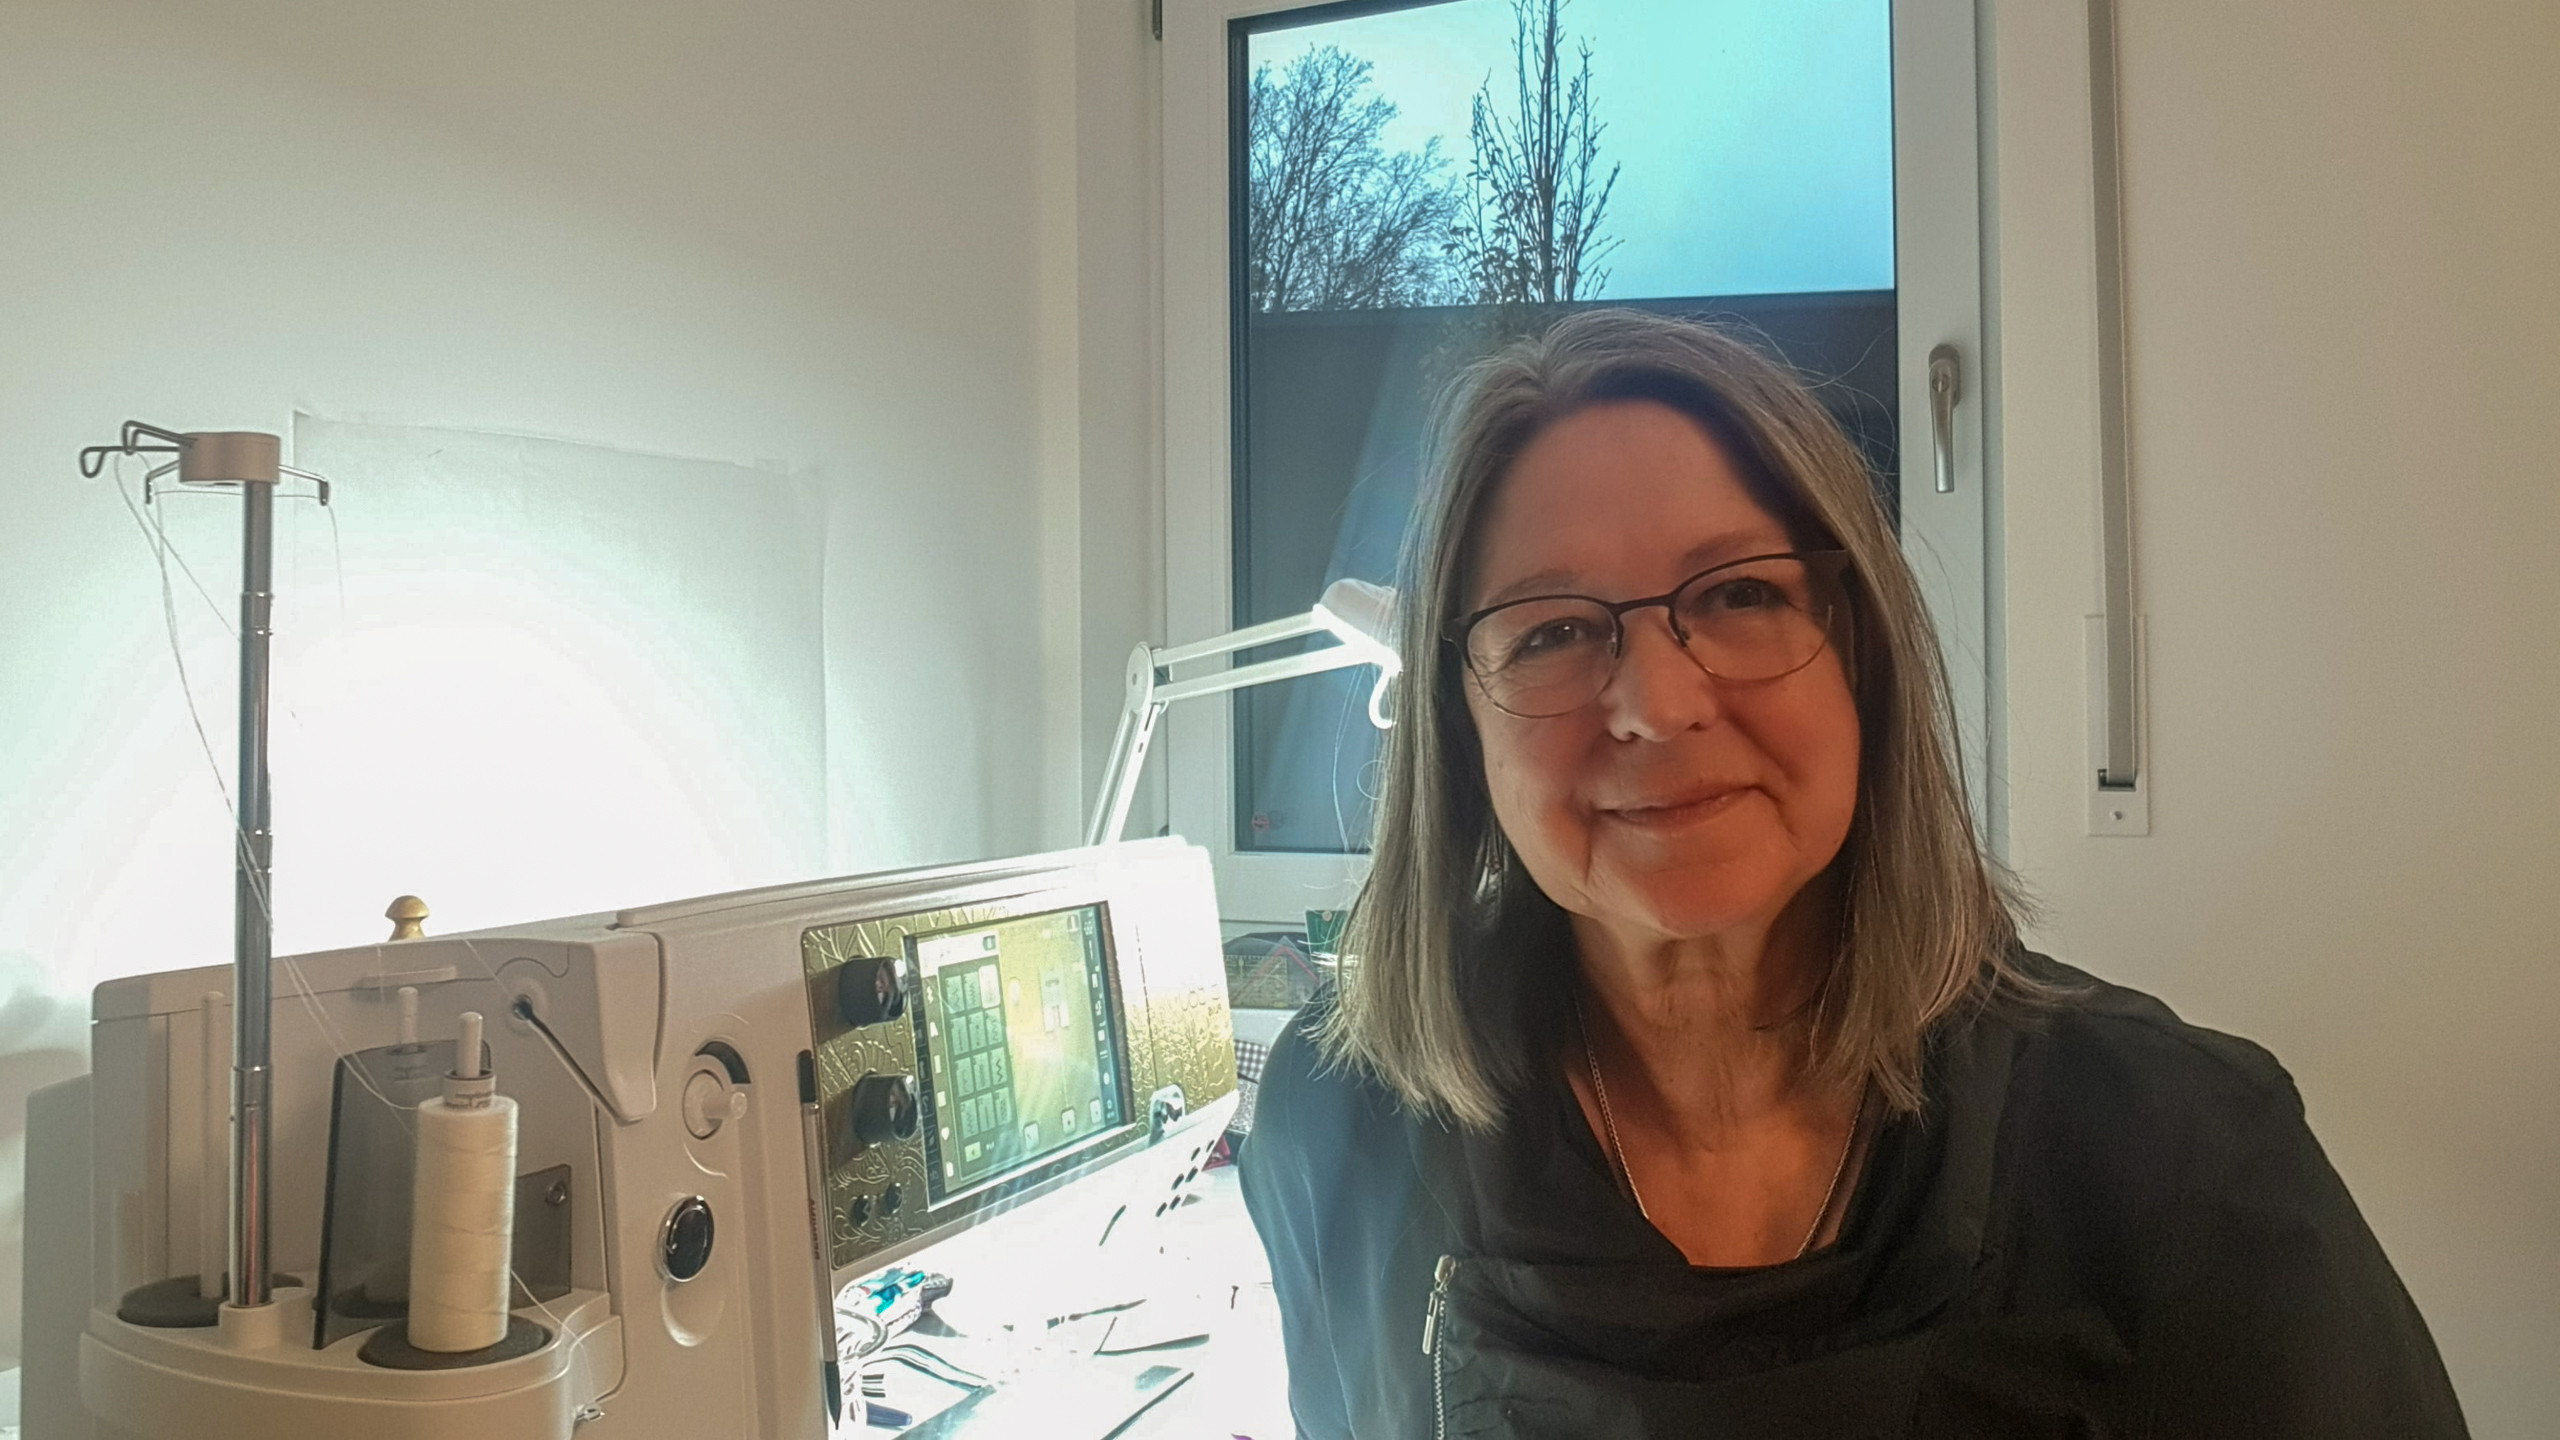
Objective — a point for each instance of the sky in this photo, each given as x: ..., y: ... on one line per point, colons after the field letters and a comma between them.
x: 1755, y: 139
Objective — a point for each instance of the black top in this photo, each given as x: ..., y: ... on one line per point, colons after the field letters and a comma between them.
x: 2106, y: 1222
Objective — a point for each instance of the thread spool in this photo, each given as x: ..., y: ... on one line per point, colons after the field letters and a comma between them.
x: 462, y: 1211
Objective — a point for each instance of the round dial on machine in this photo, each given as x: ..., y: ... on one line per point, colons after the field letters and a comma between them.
x: 884, y: 1109
x: 867, y: 991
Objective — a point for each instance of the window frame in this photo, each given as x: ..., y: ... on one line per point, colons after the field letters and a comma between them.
x: 1938, y: 285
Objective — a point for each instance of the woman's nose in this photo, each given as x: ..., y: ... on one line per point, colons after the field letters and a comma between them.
x: 1659, y: 689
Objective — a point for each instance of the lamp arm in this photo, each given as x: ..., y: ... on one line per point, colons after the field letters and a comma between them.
x: 1354, y: 612
x: 1139, y: 711
x: 1145, y: 696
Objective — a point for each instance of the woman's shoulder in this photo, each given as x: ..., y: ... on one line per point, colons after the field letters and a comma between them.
x: 1312, y: 1099
x: 1319, y: 1123
x: 2264, y: 1303
x: 2116, y: 1077
x: 2118, y: 1039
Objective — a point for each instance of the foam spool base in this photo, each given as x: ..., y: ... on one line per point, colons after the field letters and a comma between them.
x: 173, y: 1304
x: 390, y: 1349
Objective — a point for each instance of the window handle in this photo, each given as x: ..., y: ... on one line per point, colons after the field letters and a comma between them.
x: 1946, y: 387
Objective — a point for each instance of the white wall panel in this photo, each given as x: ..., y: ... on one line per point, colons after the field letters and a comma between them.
x: 2341, y: 311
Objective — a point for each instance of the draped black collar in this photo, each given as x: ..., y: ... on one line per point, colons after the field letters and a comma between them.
x: 1547, y: 1234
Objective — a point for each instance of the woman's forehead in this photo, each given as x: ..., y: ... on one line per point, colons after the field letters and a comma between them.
x: 1629, y: 495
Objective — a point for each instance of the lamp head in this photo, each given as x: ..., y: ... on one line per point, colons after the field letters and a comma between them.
x: 1362, y: 617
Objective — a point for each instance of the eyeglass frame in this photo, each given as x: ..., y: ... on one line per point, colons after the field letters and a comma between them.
x: 1455, y: 632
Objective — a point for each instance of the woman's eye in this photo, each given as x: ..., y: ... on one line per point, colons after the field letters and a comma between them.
x: 1743, y: 594
x: 1551, y: 637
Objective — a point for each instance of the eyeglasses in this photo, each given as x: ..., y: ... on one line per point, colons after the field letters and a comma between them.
x: 1746, y: 620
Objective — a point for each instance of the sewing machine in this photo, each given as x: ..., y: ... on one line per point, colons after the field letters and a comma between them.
x: 731, y: 1109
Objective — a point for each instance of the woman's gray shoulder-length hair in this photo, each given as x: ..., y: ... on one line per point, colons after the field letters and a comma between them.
x: 1457, y: 967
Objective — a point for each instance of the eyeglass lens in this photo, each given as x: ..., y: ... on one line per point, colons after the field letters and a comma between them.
x: 1756, y: 620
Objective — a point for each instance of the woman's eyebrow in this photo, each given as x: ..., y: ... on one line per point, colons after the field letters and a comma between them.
x: 1736, y: 545
x: 1543, y: 582
x: 1733, y: 545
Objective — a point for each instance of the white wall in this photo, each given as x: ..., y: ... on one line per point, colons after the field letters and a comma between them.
x: 2343, y: 302
x: 794, y: 236
x: 1101, y: 409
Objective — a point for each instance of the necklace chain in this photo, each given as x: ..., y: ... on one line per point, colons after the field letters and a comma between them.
x: 1618, y: 1152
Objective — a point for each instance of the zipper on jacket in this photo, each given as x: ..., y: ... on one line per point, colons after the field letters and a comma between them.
x: 1440, y: 1275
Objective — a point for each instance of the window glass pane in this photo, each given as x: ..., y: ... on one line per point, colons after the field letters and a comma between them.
x: 1414, y: 185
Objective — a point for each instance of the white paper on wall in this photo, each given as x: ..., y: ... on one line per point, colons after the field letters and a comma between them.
x: 562, y: 678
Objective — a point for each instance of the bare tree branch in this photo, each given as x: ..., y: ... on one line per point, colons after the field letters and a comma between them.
x: 1531, y: 228
x: 1332, y: 220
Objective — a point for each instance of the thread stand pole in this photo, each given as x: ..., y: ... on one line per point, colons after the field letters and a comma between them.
x: 252, y: 928
x: 253, y: 461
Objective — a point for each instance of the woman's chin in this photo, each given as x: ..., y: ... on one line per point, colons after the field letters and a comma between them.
x: 1693, y: 890
x: 1670, y: 910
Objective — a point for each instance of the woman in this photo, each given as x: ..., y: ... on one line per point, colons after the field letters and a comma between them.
x: 1688, y: 1077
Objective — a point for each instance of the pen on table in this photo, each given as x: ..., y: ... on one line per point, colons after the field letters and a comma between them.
x: 810, y: 1153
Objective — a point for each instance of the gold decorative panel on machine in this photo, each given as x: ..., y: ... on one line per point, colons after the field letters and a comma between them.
x: 967, y: 1056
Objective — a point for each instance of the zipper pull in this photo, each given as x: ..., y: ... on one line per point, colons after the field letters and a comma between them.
x: 1440, y: 1274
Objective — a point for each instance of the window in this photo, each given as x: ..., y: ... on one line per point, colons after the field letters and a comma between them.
x: 1345, y: 191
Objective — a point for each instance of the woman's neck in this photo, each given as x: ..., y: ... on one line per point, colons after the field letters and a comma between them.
x: 1709, y: 1032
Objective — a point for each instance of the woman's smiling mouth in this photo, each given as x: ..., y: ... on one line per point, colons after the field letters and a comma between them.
x: 1673, y: 812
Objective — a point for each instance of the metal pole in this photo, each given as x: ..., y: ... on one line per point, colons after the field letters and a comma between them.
x: 252, y: 460
x: 2120, y: 768
x: 252, y: 928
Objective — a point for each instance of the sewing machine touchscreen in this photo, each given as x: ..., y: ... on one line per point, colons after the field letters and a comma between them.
x: 1022, y: 1054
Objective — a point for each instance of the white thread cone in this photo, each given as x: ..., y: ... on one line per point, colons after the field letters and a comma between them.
x: 462, y: 1225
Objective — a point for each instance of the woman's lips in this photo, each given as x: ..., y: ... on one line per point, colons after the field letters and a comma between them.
x: 1663, y: 815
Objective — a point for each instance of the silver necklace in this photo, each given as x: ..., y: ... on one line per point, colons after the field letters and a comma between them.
x: 1618, y: 1152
